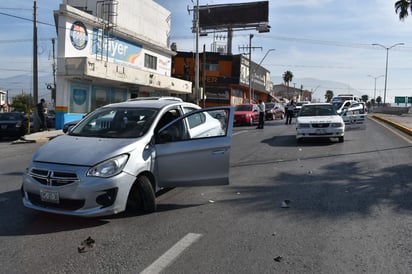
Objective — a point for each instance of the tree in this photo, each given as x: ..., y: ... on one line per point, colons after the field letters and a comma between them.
x: 287, y: 78
x: 379, y: 100
x: 22, y: 103
x: 402, y: 7
x: 365, y: 98
x: 328, y: 95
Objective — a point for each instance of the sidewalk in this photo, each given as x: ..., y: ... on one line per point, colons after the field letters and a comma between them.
x: 39, y: 137
x: 402, y: 122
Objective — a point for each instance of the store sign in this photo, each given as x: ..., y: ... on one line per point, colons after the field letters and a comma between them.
x: 78, y: 35
x: 115, y: 48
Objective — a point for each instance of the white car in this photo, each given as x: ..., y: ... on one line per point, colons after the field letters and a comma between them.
x: 319, y: 120
x: 120, y: 155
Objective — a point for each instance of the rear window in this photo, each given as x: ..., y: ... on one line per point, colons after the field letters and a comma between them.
x: 243, y: 108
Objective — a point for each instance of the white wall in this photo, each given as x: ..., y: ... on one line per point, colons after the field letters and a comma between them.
x: 145, y: 18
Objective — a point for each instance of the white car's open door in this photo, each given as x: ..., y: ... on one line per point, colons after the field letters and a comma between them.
x: 194, y: 150
x: 355, y: 117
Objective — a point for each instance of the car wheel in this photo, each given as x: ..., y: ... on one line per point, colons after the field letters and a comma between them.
x: 282, y: 116
x: 142, y: 196
x: 341, y: 139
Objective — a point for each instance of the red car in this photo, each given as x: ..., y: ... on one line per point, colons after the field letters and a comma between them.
x: 246, y: 114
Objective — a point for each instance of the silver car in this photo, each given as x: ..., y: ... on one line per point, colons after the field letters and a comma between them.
x: 121, y: 154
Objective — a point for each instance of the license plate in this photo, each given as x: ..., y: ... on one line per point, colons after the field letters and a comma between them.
x: 49, y: 196
x: 320, y: 131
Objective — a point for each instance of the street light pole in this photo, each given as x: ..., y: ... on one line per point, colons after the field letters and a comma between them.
x: 386, y: 68
x: 374, y: 91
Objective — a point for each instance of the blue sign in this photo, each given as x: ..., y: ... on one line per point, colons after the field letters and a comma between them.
x: 115, y: 48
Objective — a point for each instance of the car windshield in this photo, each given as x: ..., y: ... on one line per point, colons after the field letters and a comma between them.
x: 243, y: 108
x: 320, y: 110
x: 116, y: 123
x: 337, y: 105
x: 269, y: 105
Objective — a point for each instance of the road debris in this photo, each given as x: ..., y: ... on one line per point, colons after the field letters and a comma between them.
x: 278, y: 259
x: 285, y: 204
x: 86, y: 245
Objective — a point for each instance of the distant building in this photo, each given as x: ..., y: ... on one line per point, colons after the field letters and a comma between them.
x: 283, y: 91
x: 4, y: 107
x: 224, y: 79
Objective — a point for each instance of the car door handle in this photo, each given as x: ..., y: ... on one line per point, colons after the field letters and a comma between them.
x: 220, y: 151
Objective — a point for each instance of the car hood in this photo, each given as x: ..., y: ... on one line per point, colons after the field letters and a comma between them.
x: 85, y: 151
x: 320, y: 119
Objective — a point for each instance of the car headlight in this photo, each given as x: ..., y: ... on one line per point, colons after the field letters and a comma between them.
x: 337, y: 125
x: 303, y: 126
x: 109, y: 167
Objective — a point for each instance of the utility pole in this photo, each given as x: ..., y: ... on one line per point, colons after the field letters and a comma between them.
x: 249, y: 48
x: 195, y: 29
x: 53, y: 89
x: 197, y: 54
x: 35, y: 69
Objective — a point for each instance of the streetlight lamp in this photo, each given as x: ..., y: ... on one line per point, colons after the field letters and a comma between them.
x: 386, y: 69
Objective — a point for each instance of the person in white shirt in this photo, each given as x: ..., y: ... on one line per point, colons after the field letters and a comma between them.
x: 290, y: 107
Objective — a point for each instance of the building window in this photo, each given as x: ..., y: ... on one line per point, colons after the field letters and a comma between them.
x: 150, y: 61
x: 212, y: 66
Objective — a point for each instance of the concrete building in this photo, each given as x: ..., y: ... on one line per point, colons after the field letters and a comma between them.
x: 288, y: 93
x: 109, y: 51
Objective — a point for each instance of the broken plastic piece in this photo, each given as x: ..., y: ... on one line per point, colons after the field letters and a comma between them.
x: 285, y: 204
x: 278, y: 258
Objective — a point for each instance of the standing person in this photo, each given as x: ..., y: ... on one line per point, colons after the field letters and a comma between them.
x: 290, y: 107
x: 261, y: 106
x: 41, y: 113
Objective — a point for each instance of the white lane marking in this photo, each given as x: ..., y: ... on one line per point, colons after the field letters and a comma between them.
x: 169, y: 256
x: 239, y: 132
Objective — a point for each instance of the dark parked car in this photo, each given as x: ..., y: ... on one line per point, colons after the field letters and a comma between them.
x: 274, y: 111
x: 67, y: 126
x: 13, y: 124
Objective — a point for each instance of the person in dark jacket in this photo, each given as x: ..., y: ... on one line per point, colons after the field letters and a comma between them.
x: 42, y: 115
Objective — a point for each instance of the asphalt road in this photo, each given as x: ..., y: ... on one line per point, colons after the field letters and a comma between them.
x: 315, y: 207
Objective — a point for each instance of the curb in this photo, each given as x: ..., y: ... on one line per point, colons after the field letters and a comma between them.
x: 396, y: 125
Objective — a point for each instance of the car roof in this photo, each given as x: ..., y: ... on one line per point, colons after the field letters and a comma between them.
x: 317, y: 104
x: 150, y: 103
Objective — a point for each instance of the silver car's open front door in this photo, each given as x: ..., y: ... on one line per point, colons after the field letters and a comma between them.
x: 355, y: 117
x: 194, y: 150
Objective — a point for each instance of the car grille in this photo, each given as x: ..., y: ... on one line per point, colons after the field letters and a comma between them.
x: 52, y: 177
x: 66, y: 204
x: 323, y: 125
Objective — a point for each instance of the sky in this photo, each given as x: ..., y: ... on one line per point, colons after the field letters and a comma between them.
x: 326, y: 44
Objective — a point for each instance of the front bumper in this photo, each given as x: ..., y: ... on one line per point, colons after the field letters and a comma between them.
x: 319, y: 133
x: 74, y: 193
